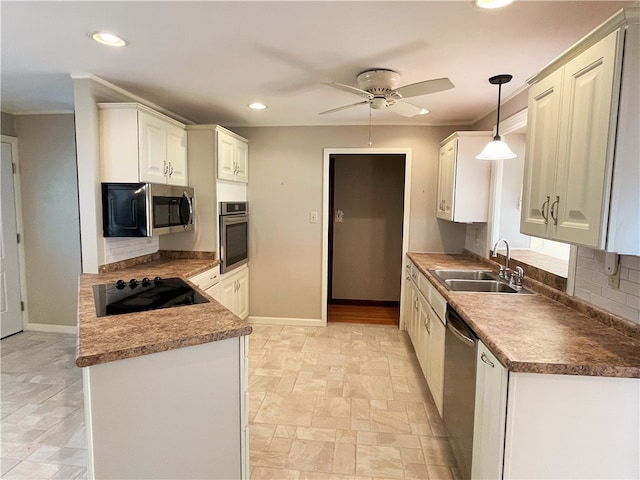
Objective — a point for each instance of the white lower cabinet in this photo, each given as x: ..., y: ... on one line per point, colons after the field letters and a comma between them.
x: 181, y: 413
x: 435, y: 361
x: 424, y: 319
x: 542, y: 426
x: 231, y: 290
x: 234, y: 292
x: 490, y: 415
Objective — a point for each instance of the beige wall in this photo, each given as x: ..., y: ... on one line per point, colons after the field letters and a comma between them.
x: 50, y: 215
x: 367, y: 244
x: 286, y: 183
x: 7, y: 125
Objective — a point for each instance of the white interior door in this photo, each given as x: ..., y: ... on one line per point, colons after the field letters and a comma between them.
x: 10, y: 312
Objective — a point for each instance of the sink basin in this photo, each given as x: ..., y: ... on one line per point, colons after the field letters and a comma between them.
x: 475, y: 281
x: 479, y: 286
x: 465, y: 274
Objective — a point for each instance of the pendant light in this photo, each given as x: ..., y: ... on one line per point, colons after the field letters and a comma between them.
x: 497, y: 149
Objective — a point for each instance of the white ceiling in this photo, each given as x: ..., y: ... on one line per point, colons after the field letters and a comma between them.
x: 207, y: 60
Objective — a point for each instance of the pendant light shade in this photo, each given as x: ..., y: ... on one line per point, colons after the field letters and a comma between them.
x: 497, y: 149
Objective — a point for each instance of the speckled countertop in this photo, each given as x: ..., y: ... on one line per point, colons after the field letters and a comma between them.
x: 535, y: 334
x: 117, y: 337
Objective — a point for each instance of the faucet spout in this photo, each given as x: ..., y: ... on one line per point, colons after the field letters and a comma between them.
x: 504, y: 272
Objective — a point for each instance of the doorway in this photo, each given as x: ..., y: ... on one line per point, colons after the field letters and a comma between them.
x: 366, y: 215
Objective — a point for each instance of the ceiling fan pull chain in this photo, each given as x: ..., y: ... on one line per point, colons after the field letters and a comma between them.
x: 370, y: 142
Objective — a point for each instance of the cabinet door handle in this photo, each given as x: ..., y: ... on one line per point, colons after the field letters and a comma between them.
x: 170, y: 169
x: 166, y: 168
x: 553, y: 210
x: 486, y: 360
x: 542, y: 210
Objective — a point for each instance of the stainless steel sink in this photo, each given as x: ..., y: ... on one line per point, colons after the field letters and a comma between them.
x: 465, y: 274
x: 479, y: 286
x: 475, y: 281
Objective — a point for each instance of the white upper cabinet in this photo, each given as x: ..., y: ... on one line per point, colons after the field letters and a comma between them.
x: 581, y: 178
x: 233, y: 156
x: 138, y: 144
x: 463, y: 180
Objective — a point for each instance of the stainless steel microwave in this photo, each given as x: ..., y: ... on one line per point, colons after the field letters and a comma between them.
x: 145, y: 209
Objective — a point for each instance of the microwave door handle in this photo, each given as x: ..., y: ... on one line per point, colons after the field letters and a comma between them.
x: 190, y: 203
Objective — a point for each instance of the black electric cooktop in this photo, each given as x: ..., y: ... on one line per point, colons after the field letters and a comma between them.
x: 143, y: 295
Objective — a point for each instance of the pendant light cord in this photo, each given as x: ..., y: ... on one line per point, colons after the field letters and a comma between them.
x: 497, y: 137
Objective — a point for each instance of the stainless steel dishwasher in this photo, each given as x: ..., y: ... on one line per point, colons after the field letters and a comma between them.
x: 459, y: 388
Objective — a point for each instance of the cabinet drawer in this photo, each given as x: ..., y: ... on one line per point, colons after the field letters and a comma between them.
x: 412, y: 271
x: 207, y: 278
x: 424, y: 286
x: 438, y: 303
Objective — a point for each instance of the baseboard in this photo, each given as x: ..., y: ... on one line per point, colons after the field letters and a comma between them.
x: 45, y: 327
x: 365, y: 303
x: 299, y: 322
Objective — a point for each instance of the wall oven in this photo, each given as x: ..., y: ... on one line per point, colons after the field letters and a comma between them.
x: 145, y: 209
x: 234, y: 235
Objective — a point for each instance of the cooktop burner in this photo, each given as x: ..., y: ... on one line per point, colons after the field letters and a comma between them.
x: 143, y: 295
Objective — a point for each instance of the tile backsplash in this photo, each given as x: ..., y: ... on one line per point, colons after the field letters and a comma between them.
x: 118, y: 249
x: 591, y: 284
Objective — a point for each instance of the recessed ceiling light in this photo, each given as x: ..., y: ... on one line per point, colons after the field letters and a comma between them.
x: 257, y: 106
x: 492, y: 3
x: 108, y: 39
x: 423, y: 111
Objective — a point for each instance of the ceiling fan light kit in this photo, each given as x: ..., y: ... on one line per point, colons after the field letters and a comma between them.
x: 379, y: 88
x: 497, y: 149
x: 492, y: 3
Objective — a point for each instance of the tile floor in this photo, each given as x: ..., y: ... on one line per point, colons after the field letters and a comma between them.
x: 42, y: 418
x: 343, y: 402
x: 346, y: 401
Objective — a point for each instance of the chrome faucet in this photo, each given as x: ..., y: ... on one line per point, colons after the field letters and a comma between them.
x: 504, y: 271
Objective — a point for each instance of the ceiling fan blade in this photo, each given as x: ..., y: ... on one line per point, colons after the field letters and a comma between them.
x: 350, y: 89
x: 333, y: 110
x: 406, y: 109
x: 424, y: 88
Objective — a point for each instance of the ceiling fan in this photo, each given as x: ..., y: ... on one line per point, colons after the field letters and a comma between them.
x: 379, y: 89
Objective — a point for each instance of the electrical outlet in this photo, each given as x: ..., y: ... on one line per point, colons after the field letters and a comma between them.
x: 313, y: 217
x: 613, y: 281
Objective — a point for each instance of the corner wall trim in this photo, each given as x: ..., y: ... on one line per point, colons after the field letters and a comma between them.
x: 300, y: 322
x: 45, y: 327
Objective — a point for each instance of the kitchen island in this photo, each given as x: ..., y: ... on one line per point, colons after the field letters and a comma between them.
x: 165, y: 390
x: 557, y: 391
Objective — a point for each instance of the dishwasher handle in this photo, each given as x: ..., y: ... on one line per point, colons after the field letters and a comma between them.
x: 456, y: 325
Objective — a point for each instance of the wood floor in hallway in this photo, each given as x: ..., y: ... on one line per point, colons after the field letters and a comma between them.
x: 370, y: 314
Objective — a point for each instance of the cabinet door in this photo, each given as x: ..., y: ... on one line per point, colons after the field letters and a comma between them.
x: 423, y: 334
x: 435, y: 363
x: 541, y: 153
x: 242, y: 161
x: 215, y: 291
x: 225, y: 157
x: 490, y: 415
x: 241, y: 307
x: 583, y: 178
x: 406, y: 305
x: 177, y: 155
x: 446, y: 169
x: 153, y: 148
x: 228, y: 293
